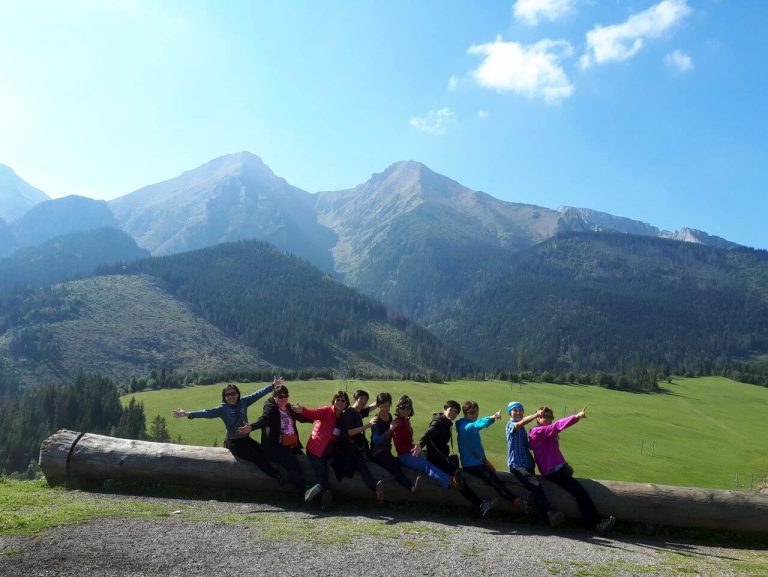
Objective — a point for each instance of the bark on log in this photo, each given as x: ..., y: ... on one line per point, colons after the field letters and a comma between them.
x: 68, y: 455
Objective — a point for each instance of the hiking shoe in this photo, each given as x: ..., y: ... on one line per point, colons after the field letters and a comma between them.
x: 605, y: 525
x: 556, y: 518
x: 311, y: 493
x: 380, y: 491
x: 523, y: 504
x: 487, y: 505
x: 416, y: 483
x: 327, y: 500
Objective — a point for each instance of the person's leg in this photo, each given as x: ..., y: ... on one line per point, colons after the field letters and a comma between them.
x: 532, y: 483
x: 286, y: 458
x: 320, y: 467
x: 362, y: 468
x: 492, y: 479
x: 420, y: 464
x: 387, y: 462
x: 565, y: 480
x: 248, y: 449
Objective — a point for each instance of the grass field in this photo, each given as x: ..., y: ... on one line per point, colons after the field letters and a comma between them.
x: 696, y: 432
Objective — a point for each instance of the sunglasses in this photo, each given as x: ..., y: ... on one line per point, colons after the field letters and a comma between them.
x: 231, y: 394
x: 281, y: 397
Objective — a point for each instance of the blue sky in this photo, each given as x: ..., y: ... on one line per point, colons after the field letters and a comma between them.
x: 649, y: 109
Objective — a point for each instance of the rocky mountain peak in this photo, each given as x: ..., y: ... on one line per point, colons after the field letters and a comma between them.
x: 16, y: 195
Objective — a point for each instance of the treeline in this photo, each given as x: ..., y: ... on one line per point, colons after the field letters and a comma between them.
x: 290, y: 312
x: 87, y: 403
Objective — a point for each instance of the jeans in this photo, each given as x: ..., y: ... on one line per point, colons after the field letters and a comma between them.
x: 421, y: 465
x: 320, y: 467
x: 442, y: 463
x: 386, y: 461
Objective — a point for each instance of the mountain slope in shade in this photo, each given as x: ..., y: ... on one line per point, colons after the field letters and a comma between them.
x: 7, y: 242
x: 230, y: 198
x: 119, y: 326
x: 594, y: 301
x: 61, y: 216
x: 16, y: 195
x: 68, y: 256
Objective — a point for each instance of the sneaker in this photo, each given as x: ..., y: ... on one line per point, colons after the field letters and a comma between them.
x: 311, y: 493
x: 556, y: 518
x: 487, y: 505
x: 380, y: 491
x: 416, y: 483
x: 605, y: 525
x: 327, y: 500
x: 522, y: 504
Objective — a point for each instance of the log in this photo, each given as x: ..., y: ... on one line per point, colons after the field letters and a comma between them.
x: 68, y: 455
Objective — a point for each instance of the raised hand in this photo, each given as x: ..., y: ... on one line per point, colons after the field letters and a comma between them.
x: 582, y: 414
x: 497, y: 415
x: 277, y: 381
x: 179, y: 413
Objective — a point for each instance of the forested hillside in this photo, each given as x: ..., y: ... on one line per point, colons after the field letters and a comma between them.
x: 292, y: 313
x: 591, y: 301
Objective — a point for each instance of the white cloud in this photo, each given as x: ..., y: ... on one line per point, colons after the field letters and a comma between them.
x: 622, y: 41
x: 678, y: 60
x: 532, y: 71
x: 483, y: 113
x: 453, y: 82
x: 436, y: 122
x: 532, y: 11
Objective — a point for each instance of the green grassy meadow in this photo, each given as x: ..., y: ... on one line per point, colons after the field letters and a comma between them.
x: 706, y: 430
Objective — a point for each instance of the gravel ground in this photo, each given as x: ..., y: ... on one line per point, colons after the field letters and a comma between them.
x: 234, y: 538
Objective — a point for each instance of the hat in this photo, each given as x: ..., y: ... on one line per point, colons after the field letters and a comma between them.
x: 514, y: 405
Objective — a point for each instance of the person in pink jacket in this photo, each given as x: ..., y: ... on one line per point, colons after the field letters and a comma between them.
x: 322, y: 443
x: 544, y: 442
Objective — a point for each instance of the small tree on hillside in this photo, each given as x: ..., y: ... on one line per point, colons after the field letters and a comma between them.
x: 158, y: 430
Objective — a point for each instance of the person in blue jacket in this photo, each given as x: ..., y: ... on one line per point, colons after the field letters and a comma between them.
x: 233, y: 410
x: 471, y: 450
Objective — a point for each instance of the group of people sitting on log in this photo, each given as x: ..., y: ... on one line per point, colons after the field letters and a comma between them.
x: 338, y: 441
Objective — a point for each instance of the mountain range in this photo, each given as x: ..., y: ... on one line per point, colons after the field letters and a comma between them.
x: 493, y: 279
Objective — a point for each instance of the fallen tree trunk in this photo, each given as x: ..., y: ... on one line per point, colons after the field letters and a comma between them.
x: 67, y: 455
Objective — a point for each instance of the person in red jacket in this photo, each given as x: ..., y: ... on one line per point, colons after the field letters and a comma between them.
x: 408, y: 452
x: 322, y: 443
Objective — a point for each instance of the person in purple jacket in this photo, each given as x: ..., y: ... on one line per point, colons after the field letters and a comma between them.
x: 544, y: 443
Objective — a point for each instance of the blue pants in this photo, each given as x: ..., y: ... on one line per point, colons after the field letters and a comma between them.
x: 421, y: 465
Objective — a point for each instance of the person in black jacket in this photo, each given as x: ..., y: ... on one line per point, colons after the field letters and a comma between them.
x: 279, y: 435
x: 436, y: 441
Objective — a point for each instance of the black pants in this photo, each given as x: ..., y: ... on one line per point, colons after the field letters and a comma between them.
x: 249, y: 450
x: 386, y: 461
x: 444, y: 465
x: 286, y: 458
x: 532, y: 483
x: 352, y: 462
x: 492, y: 479
x: 564, y: 478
